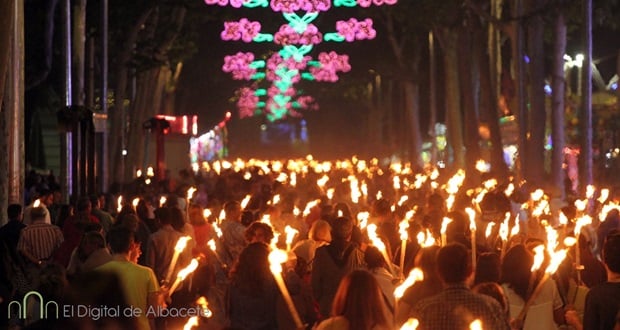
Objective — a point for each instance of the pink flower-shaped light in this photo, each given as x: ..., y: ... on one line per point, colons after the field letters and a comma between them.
x: 242, y: 30
x: 286, y: 6
x: 234, y: 3
x: 313, y: 6
x: 288, y: 36
x: 353, y: 29
x: 239, y: 65
x: 247, y: 102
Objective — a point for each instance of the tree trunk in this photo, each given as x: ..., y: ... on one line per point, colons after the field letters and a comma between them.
x: 557, y: 118
x: 535, y: 168
x: 586, y: 155
x: 454, y: 118
x: 79, y: 51
x: 518, y: 104
x: 470, y: 85
x: 118, y: 122
x: 412, y: 106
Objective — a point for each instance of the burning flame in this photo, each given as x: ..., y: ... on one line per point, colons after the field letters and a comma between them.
x: 411, y: 324
x: 135, y: 202
x: 119, y: 203
x: 190, y: 192
x: 604, y: 195
x: 181, y: 243
x: 192, y: 322
x: 183, y: 273
x: 444, y: 224
x: 415, y: 275
x: 204, y: 305
x: 402, y: 230
x: 276, y: 258
x: 475, y: 325
x: 539, y: 257
x: 472, y: 218
x: 211, y: 244
x: 290, y: 234
x: 362, y: 217
x: 425, y: 238
x: 245, y: 201
x: 37, y: 203
x: 162, y: 201
x: 489, y: 229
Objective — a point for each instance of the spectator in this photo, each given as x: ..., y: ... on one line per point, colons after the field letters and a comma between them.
x: 546, y: 311
x: 39, y: 240
x: 358, y: 304
x: 431, y: 285
x: 105, y: 219
x: 45, y: 199
x: 253, y: 290
x: 259, y: 232
x: 233, y: 233
x: 74, y: 227
x: 378, y: 267
x: 319, y: 235
x: 487, y: 268
x: 90, y: 254
x: 332, y: 262
x: 603, y: 300
x: 161, y: 246
x: 10, y: 232
x: 457, y: 306
x: 139, y: 283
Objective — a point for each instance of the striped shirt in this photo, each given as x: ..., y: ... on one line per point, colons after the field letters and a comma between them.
x: 40, y: 240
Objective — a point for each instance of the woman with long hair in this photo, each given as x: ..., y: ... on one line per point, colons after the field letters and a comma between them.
x: 358, y: 304
x: 546, y: 312
x: 252, y: 290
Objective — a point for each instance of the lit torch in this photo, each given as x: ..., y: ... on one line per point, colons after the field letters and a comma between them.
x: 178, y: 248
x: 444, y: 227
x: 276, y: 258
x: 183, y: 273
x: 290, y: 235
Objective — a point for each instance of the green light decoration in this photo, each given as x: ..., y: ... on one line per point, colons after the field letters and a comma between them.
x: 260, y: 92
x: 263, y: 37
x: 345, y: 3
x: 259, y: 76
x: 257, y: 64
x: 307, y: 76
x: 297, y: 53
x: 256, y: 3
x: 333, y: 36
x: 300, y: 24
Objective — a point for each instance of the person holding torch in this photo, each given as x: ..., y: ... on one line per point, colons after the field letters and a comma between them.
x: 139, y: 283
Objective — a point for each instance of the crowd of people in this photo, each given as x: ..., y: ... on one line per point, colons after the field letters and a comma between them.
x: 115, y: 261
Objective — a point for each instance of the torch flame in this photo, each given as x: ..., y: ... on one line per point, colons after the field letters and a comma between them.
x: 276, y: 258
x: 183, y: 273
x: 181, y: 243
x: 415, y: 275
x: 604, y: 195
x: 402, y: 230
x: 444, y: 224
x: 190, y: 192
x: 290, y: 234
x: 211, y: 244
x: 162, y: 200
x: 37, y: 203
x: 192, y: 322
x: 475, y: 325
x: 245, y: 201
x: 489, y: 229
x: 411, y: 324
x: 539, y: 257
x: 472, y: 218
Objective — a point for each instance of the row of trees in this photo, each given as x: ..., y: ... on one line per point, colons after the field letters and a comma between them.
x: 483, y: 44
